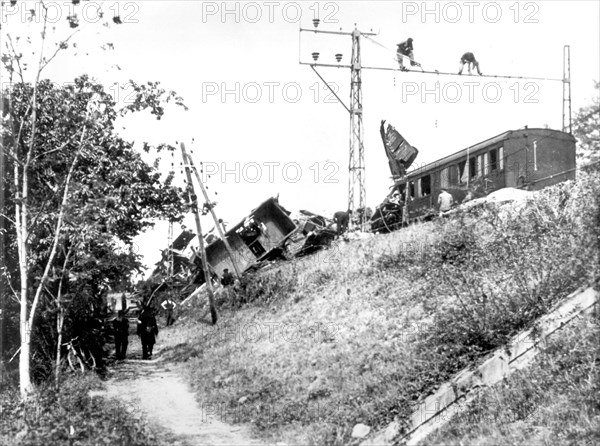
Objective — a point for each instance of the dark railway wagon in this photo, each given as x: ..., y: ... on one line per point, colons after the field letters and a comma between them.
x: 528, y: 158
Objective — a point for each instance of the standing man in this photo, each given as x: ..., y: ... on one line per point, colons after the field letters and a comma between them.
x: 147, y: 330
x: 121, y: 331
x: 227, y: 278
x: 469, y: 60
x: 445, y: 201
x: 169, y: 305
x: 405, y: 49
x: 342, y: 219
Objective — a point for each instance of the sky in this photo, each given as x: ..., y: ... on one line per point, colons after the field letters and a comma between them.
x: 263, y: 124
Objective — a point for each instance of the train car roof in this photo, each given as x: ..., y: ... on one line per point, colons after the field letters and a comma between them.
x: 480, y: 145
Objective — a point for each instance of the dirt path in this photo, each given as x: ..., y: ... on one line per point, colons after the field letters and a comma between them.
x: 156, y: 389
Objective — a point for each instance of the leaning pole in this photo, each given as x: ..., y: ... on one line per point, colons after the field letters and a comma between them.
x: 193, y: 200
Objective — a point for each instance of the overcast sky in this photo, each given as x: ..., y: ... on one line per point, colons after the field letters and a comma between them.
x: 266, y: 125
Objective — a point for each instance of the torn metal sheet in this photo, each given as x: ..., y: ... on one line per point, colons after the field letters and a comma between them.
x: 399, y: 152
x: 314, y: 232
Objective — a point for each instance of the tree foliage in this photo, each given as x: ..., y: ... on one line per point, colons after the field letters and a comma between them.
x: 586, y: 128
x: 113, y: 196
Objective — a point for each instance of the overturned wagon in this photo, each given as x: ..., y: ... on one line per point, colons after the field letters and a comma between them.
x: 260, y: 236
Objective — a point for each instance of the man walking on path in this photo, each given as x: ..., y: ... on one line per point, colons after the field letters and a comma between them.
x: 121, y: 332
x: 147, y: 330
x: 169, y: 305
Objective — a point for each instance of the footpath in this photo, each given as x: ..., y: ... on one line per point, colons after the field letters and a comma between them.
x: 156, y: 390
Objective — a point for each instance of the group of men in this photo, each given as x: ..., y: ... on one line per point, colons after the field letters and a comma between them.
x: 147, y: 330
x: 405, y: 50
x: 147, y: 327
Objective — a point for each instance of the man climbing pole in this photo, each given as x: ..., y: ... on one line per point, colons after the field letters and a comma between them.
x: 405, y: 49
x: 147, y: 329
x: 469, y: 60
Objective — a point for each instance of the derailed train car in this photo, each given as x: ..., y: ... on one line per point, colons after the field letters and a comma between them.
x: 256, y: 238
x: 530, y: 159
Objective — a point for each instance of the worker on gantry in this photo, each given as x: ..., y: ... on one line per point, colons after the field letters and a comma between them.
x: 470, y: 61
x: 405, y: 49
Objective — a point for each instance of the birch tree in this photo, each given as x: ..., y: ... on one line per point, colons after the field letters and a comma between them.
x: 59, y: 141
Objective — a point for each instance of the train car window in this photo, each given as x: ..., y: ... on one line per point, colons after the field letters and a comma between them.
x: 535, y: 164
x: 462, y: 175
x: 426, y: 186
x: 445, y: 177
x: 454, y: 174
x: 501, y: 158
x: 473, y: 167
x: 493, y: 160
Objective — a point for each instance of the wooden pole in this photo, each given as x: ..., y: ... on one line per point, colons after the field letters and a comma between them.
x: 194, y: 203
x: 3, y: 272
x: 214, y: 215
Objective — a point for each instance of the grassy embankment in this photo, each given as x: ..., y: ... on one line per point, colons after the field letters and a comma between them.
x: 360, y: 333
x: 555, y: 401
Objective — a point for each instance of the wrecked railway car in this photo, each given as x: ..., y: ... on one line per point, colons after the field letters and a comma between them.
x: 268, y: 233
x: 529, y: 159
x: 260, y: 236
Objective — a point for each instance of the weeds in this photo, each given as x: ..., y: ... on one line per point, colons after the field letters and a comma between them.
x: 555, y: 401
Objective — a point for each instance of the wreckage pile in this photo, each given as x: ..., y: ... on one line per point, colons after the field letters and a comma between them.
x: 267, y: 234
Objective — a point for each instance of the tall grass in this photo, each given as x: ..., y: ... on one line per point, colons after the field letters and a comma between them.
x: 555, y: 401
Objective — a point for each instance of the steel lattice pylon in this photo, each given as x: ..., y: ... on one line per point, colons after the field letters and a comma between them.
x: 356, y: 167
x: 356, y: 163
